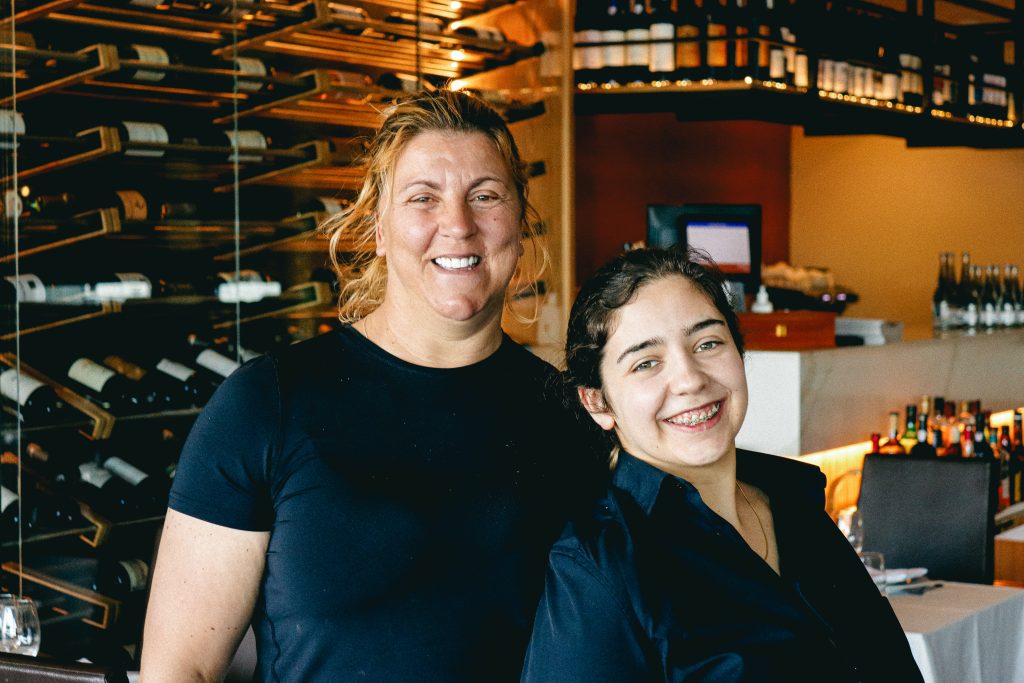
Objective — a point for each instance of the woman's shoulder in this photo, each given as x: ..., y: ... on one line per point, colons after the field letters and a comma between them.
x: 598, y: 535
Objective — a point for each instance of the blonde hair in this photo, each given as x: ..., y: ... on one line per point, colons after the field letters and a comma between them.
x: 361, y: 272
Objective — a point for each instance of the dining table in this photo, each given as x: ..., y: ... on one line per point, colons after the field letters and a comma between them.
x: 964, y: 632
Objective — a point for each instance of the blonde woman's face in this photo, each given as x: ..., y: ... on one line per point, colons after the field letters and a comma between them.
x: 450, y: 227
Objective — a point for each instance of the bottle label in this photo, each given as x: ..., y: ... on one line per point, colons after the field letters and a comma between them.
x: 248, y: 288
x: 1007, y: 316
x: 250, y: 65
x: 841, y: 76
x: 125, y: 470
x: 638, y: 54
x: 138, y: 573
x: 989, y: 316
x: 11, y: 123
x: 92, y: 473
x: 687, y: 47
x: 90, y: 374
x: 9, y: 386
x: 153, y: 55
x: 776, y: 64
x: 7, y: 498
x: 801, y: 79
x: 175, y: 370
x: 28, y: 288
x: 614, y: 55
x: 145, y: 132
x: 134, y: 205
x: 662, y: 57
x: 128, y: 286
x: 146, y: 3
x: 220, y: 364
x: 246, y: 139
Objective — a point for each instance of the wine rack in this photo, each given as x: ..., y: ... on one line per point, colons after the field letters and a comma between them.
x: 161, y: 160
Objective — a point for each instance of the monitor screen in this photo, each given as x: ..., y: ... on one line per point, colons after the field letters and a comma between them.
x: 729, y: 233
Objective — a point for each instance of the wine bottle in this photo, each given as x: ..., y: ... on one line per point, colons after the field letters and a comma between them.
x: 1007, y: 467
x: 108, y: 389
x: 613, y: 37
x: 923, y: 448
x: 892, y: 445
x: 638, y: 37
x: 158, y: 388
x: 588, y: 59
x: 689, y: 54
x: 120, y: 579
x: 661, y: 56
x: 149, y: 487
x: 1018, y: 457
x: 51, y: 457
x: 138, y: 138
x: 106, y: 493
x: 716, y: 45
x: 909, y: 438
x: 989, y: 303
x: 43, y: 509
x: 36, y: 403
x: 942, y: 298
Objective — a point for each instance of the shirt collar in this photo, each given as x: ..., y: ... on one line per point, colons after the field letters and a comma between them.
x: 782, y: 479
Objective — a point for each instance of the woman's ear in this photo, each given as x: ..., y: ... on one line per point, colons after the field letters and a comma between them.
x: 378, y: 235
x: 593, y: 402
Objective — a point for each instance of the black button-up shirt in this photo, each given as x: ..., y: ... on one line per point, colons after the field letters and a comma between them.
x: 655, y: 586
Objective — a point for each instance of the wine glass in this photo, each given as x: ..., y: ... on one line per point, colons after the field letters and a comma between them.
x: 851, y: 524
x: 874, y: 562
x: 19, y: 625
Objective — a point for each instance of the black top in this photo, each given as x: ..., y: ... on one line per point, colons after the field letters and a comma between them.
x: 411, y: 509
x: 654, y: 586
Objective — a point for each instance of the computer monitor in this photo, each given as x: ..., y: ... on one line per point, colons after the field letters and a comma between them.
x: 729, y: 233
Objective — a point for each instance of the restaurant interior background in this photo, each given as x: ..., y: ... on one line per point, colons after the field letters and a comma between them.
x: 870, y: 188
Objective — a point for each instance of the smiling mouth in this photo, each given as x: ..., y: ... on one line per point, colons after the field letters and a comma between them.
x: 449, y: 263
x: 692, y: 418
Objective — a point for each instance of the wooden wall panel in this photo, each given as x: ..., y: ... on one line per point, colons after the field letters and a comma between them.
x: 625, y: 162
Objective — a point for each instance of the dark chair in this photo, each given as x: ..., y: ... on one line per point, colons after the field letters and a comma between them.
x: 22, y: 669
x: 937, y: 513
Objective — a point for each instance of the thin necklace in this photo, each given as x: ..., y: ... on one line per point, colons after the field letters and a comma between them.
x: 758, y: 518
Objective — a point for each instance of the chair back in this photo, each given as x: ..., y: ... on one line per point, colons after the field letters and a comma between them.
x: 937, y: 513
x: 21, y: 669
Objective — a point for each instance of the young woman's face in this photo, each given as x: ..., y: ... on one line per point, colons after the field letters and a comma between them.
x: 450, y: 227
x: 675, y: 391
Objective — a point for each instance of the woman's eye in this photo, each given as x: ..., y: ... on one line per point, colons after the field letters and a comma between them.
x: 644, y: 365
x: 485, y: 198
x: 709, y: 345
x: 421, y: 199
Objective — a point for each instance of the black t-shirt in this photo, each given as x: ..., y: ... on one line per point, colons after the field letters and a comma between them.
x: 410, y: 508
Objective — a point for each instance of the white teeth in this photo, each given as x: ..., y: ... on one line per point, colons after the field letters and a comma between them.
x: 693, y: 418
x: 457, y: 263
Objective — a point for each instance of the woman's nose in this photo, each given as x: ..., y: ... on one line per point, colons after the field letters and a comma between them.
x: 457, y: 220
x: 686, y: 375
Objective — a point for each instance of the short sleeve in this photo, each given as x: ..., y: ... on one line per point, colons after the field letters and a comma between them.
x: 224, y: 469
x: 583, y: 631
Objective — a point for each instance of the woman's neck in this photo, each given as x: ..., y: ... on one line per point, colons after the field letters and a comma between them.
x: 444, y: 344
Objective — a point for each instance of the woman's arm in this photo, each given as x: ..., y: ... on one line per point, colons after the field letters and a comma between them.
x: 584, y: 631
x: 204, y: 587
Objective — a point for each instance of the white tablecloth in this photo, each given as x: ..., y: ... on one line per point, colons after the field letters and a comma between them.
x: 965, y: 633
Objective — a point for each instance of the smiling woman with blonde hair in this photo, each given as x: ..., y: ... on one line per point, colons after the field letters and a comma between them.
x: 378, y: 501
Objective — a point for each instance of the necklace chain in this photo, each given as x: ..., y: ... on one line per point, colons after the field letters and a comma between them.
x: 764, y: 535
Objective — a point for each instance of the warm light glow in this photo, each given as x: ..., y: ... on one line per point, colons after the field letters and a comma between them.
x: 456, y: 4
x: 458, y: 55
x: 25, y: 191
x: 459, y: 84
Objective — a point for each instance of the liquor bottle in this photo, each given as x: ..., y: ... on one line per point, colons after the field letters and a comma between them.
x: 962, y: 291
x: 909, y: 437
x: 613, y: 38
x: 923, y: 448
x: 1007, y: 468
x: 935, y: 419
x: 638, y: 46
x: 34, y: 402
x: 937, y: 442
x: 990, y: 300
x: 1017, y: 454
x: 942, y: 298
x: 689, y: 55
x: 892, y: 445
x: 982, y: 446
x: 1008, y: 286
x: 662, y: 31
x: 875, y: 442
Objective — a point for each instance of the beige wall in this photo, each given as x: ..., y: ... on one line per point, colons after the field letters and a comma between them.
x: 877, y: 214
